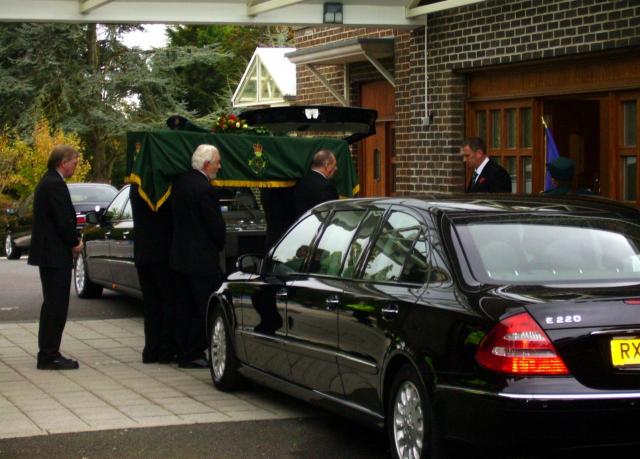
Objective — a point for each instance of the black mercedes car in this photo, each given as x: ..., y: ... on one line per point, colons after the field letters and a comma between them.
x: 107, y: 258
x: 84, y: 196
x: 506, y: 321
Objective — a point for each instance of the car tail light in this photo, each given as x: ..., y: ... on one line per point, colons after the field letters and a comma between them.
x: 518, y: 346
x: 634, y: 301
x: 81, y: 219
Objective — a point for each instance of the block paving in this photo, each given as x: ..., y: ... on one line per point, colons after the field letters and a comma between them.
x: 113, y: 389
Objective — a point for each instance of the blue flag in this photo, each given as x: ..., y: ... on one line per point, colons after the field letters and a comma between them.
x: 552, y: 155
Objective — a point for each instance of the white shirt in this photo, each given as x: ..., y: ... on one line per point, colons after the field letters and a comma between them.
x: 481, y: 166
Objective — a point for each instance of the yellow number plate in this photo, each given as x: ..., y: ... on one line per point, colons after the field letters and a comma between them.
x: 625, y: 351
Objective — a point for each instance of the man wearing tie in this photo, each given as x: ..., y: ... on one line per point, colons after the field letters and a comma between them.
x: 488, y: 176
x: 54, y: 243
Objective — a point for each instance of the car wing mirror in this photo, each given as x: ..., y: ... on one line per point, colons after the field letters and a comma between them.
x: 249, y: 263
x: 93, y: 217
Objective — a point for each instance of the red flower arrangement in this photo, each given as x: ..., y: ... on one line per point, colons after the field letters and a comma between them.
x: 228, y: 124
x: 233, y: 124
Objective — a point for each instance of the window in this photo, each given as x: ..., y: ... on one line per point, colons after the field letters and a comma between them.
x: 630, y: 121
x: 291, y: 253
x: 510, y: 118
x: 481, y: 124
x: 392, y: 247
x: 628, y: 148
x: 91, y: 193
x: 629, y: 174
x: 496, y: 131
x: 552, y: 249
x: 525, y: 128
x: 506, y: 127
x: 527, y: 174
x: 127, y: 214
x: 328, y: 256
x: 360, y: 242
x: 117, y: 205
x: 510, y: 166
x: 417, y: 266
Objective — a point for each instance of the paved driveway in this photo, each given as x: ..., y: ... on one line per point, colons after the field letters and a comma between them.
x: 113, y: 389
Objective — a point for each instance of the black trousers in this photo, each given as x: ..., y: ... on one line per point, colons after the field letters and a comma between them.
x: 56, y: 285
x: 192, y: 297
x: 158, y: 297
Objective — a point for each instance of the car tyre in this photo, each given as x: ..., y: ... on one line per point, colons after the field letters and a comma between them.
x: 84, y: 287
x: 223, y: 362
x: 409, y: 422
x: 10, y: 249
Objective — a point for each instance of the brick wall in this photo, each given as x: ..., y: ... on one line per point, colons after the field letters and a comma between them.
x: 490, y: 33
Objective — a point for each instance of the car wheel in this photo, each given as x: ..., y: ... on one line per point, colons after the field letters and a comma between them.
x: 10, y: 249
x: 84, y: 287
x: 222, y: 358
x: 409, y: 422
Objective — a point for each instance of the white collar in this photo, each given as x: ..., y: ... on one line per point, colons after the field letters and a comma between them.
x: 481, y: 166
x: 315, y: 170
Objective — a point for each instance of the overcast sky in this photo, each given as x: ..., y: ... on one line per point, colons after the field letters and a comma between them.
x: 153, y: 37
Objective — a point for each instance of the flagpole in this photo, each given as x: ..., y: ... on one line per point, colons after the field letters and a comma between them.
x: 544, y: 175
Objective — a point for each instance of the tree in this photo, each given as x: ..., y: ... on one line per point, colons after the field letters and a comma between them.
x: 83, y: 80
x: 208, y: 89
x: 24, y: 163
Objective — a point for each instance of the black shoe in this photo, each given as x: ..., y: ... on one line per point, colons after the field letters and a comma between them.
x: 197, y: 363
x: 61, y: 363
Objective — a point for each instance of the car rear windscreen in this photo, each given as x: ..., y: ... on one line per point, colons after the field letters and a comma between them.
x: 82, y: 194
x: 546, y: 250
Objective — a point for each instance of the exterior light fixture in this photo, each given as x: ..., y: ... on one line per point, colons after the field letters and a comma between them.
x: 332, y: 13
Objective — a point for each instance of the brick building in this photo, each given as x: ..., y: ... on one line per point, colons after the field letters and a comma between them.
x: 493, y: 69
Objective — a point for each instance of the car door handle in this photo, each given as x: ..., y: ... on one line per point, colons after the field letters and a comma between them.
x: 390, y: 312
x: 107, y: 234
x: 125, y: 234
x: 331, y: 302
x: 281, y: 295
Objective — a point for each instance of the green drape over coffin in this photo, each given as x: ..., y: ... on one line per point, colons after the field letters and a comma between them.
x: 154, y: 158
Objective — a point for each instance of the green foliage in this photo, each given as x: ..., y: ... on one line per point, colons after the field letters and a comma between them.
x: 208, y: 88
x: 24, y: 163
x: 83, y: 80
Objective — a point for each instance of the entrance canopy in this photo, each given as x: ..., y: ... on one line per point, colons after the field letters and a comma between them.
x: 392, y: 13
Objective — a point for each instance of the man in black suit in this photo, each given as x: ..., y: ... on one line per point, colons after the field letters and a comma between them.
x: 54, y: 242
x: 278, y: 215
x: 198, y: 239
x: 151, y: 249
x: 488, y: 176
x: 316, y: 186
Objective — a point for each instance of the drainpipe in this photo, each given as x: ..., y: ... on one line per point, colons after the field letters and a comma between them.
x: 428, y: 117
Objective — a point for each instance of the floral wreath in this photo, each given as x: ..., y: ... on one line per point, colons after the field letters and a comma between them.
x: 232, y: 124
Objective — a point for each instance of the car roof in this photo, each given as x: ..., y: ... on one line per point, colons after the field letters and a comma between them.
x: 470, y: 204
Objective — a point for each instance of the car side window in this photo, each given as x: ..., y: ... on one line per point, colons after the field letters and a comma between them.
x: 360, y: 242
x: 418, y: 263
x: 117, y: 205
x: 127, y: 214
x: 392, y: 247
x: 439, y: 274
x: 26, y: 206
x: 328, y: 256
x: 289, y: 256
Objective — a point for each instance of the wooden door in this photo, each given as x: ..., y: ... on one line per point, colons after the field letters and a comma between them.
x: 377, y: 155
